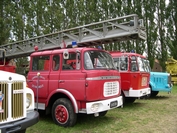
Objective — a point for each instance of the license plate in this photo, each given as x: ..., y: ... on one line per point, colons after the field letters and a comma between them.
x: 113, y: 104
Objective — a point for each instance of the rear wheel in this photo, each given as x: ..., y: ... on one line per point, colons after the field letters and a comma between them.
x: 63, y: 113
x: 154, y: 93
x: 130, y: 99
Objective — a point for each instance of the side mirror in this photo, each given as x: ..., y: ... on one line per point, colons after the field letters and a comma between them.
x: 78, y: 54
x: 78, y: 60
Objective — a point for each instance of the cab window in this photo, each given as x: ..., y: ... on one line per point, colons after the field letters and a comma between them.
x: 121, y: 63
x: 71, y: 63
x: 56, y: 62
x: 40, y: 63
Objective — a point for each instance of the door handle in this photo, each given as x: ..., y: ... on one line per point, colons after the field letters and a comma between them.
x: 61, y: 81
x: 29, y: 80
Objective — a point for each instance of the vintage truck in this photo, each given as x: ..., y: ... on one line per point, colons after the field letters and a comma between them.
x: 74, y: 80
x: 135, y: 66
x: 171, y: 68
x: 16, y: 100
x: 134, y: 75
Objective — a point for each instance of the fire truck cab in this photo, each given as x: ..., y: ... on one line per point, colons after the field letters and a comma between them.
x: 75, y: 80
x: 134, y: 75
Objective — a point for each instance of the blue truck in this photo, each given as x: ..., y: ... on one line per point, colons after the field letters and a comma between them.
x: 160, y: 81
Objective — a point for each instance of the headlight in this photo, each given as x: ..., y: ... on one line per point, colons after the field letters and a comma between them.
x: 95, y: 107
x: 28, y: 100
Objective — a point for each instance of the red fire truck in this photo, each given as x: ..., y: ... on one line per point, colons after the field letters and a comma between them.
x: 135, y: 75
x: 76, y: 80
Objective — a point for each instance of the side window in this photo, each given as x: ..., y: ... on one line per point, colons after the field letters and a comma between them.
x: 56, y: 62
x: 40, y: 63
x: 134, y: 65
x: 117, y: 63
x: 71, y: 63
x: 123, y: 63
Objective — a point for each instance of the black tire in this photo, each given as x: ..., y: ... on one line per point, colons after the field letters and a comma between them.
x: 123, y: 97
x: 154, y: 93
x: 22, y: 131
x: 103, y: 113
x: 127, y: 99
x: 130, y: 99
x: 63, y: 113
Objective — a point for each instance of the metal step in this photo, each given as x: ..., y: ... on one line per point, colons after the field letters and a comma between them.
x: 113, y: 30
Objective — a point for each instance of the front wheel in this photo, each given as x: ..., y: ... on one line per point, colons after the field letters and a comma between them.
x: 63, y: 113
x: 103, y: 113
x: 127, y: 99
x: 22, y: 131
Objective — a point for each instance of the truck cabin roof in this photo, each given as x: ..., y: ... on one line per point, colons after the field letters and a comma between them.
x: 57, y: 51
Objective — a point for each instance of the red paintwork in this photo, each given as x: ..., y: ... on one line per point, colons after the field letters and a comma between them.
x: 7, y: 67
x: 73, y: 80
x: 131, y: 79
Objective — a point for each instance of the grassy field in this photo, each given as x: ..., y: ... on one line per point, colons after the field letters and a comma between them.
x: 154, y: 115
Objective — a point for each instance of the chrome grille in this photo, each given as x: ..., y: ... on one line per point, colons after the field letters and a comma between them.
x: 17, y: 99
x: 111, y: 88
x: 4, y: 110
x: 12, y: 104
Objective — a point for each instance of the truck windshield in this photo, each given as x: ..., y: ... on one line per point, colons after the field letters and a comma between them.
x: 98, y: 60
x: 143, y: 64
x: 148, y: 68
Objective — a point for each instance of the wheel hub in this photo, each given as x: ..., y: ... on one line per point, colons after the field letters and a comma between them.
x: 61, y: 114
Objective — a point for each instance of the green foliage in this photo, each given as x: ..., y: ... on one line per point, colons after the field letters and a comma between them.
x: 20, y: 19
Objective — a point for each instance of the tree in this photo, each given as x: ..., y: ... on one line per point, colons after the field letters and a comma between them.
x: 5, y: 21
x: 171, y: 19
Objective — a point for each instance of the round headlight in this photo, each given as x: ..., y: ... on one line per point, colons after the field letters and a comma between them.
x: 95, y: 107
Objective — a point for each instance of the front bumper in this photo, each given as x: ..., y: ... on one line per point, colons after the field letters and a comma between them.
x: 104, y: 105
x: 16, y: 126
x: 137, y: 93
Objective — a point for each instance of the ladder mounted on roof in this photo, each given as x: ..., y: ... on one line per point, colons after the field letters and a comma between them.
x: 113, y: 30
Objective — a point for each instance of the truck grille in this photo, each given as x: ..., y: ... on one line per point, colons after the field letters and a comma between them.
x: 111, y: 88
x: 12, y: 103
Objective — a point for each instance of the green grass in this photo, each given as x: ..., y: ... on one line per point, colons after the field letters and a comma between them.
x: 154, y: 115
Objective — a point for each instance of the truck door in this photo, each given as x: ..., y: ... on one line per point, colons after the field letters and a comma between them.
x: 38, y: 75
x: 71, y: 77
x: 54, y: 73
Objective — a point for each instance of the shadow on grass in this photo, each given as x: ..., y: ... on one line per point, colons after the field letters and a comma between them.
x: 82, y: 119
x: 44, y: 117
x: 89, y: 121
x: 159, y: 97
x: 134, y: 105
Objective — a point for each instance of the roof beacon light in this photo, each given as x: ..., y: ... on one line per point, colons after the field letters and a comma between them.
x: 133, y: 51
x: 74, y: 44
